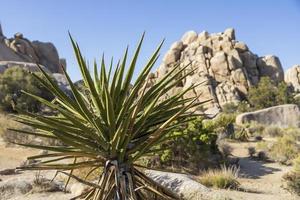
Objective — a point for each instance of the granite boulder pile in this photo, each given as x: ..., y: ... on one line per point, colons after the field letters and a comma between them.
x: 225, y: 65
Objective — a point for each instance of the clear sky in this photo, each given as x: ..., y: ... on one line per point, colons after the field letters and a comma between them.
x: 267, y: 26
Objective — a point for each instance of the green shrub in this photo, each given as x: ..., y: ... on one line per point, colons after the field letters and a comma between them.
x: 12, y: 82
x: 189, y: 146
x: 226, y: 177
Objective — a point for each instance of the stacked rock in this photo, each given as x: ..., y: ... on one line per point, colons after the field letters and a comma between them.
x: 226, y: 67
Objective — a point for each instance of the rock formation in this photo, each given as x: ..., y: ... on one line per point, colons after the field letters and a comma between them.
x: 282, y: 116
x: 20, y: 49
x: 226, y: 65
x: 292, y: 77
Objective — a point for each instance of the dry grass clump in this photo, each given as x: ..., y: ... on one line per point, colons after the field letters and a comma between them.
x: 273, y: 131
x: 6, y: 122
x: 226, y: 177
x: 294, y: 132
x: 284, y: 150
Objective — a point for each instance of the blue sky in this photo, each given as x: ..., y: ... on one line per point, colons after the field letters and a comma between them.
x: 267, y: 26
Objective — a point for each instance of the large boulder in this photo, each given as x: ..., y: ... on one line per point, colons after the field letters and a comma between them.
x: 48, y: 55
x: 292, y: 77
x: 282, y: 116
x: 270, y: 66
x: 180, y: 184
x: 62, y: 83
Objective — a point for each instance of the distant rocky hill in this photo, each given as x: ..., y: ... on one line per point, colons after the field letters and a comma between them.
x: 25, y: 53
x: 20, y: 51
x: 226, y: 65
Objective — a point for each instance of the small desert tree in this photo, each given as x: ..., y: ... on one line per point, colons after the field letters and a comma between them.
x: 12, y: 81
x: 112, y: 128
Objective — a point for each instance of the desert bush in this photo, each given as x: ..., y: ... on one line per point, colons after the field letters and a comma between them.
x: 240, y: 134
x: 251, y: 151
x: 12, y: 82
x: 262, y: 155
x: 189, y: 146
x: 284, y: 150
x: 292, y: 179
x: 225, y: 149
x: 273, y: 131
x: 226, y: 177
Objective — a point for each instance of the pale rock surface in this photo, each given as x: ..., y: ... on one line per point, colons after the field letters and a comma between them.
x: 282, y: 116
x: 181, y: 184
x: 270, y: 66
x: 292, y: 77
x: 189, y: 37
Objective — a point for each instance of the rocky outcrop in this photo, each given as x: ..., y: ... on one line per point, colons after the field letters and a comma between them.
x: 282, y: 116
x: 227, y: 67
x: 20, y: 49
x: 292, y: 77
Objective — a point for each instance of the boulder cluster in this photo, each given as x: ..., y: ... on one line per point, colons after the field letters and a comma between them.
x: 292, y: 77
x: 225, y: 66
x: 19, y: 51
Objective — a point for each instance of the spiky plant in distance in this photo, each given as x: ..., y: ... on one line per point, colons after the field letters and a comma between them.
x: 111, y: 127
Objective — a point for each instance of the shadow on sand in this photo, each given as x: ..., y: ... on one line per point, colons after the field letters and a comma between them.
x: 254, y: 169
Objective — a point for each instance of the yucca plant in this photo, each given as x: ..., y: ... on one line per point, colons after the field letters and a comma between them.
x: 111, y: 126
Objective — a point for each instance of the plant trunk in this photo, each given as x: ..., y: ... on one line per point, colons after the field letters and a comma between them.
x: 126, y: 182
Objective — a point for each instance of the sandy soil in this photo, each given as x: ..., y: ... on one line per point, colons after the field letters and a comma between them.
x: 11, y: 157
x: 260, y: 180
